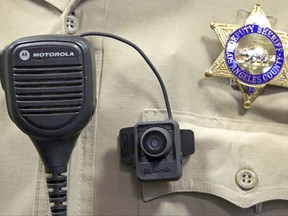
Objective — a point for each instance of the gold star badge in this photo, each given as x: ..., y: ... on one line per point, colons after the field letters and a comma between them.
x: 254, y: 55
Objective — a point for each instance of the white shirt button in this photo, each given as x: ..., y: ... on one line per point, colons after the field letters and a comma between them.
x: 246, y: 179
x: 72, y: 24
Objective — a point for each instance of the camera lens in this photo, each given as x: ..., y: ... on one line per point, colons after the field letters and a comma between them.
x: 156, y: 142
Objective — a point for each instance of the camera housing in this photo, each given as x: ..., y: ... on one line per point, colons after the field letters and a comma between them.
x: 156, y: 149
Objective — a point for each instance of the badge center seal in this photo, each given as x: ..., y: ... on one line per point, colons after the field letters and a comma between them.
x: 254, y: 54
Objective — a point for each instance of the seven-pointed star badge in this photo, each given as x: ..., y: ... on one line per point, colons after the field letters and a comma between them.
x: 253, y: 54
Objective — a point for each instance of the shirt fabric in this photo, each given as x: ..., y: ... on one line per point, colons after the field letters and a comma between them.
x: 176, y: 36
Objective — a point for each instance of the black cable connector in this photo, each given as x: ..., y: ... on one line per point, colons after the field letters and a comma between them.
x: 55, y: 155
x: 57, y: 184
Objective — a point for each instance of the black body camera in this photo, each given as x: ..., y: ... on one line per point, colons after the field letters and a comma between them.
x: 156, y: 149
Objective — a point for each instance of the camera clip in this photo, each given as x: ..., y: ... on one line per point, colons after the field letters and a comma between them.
x: 156, y: 149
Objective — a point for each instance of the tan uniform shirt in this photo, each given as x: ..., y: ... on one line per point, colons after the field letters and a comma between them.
x: 175, y: 34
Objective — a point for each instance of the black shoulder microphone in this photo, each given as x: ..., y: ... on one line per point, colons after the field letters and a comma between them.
x: 50, y: 93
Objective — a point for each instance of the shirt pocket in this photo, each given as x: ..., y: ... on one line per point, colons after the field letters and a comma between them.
x: 224, y: 148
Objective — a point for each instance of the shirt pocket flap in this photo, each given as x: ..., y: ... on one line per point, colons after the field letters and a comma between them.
x: 223, y: 149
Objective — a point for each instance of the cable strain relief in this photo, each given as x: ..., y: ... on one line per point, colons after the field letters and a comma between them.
x: 57, y: 190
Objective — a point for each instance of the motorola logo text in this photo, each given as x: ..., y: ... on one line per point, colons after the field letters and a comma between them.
x: 53, y: 54
x: 24, y: 55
